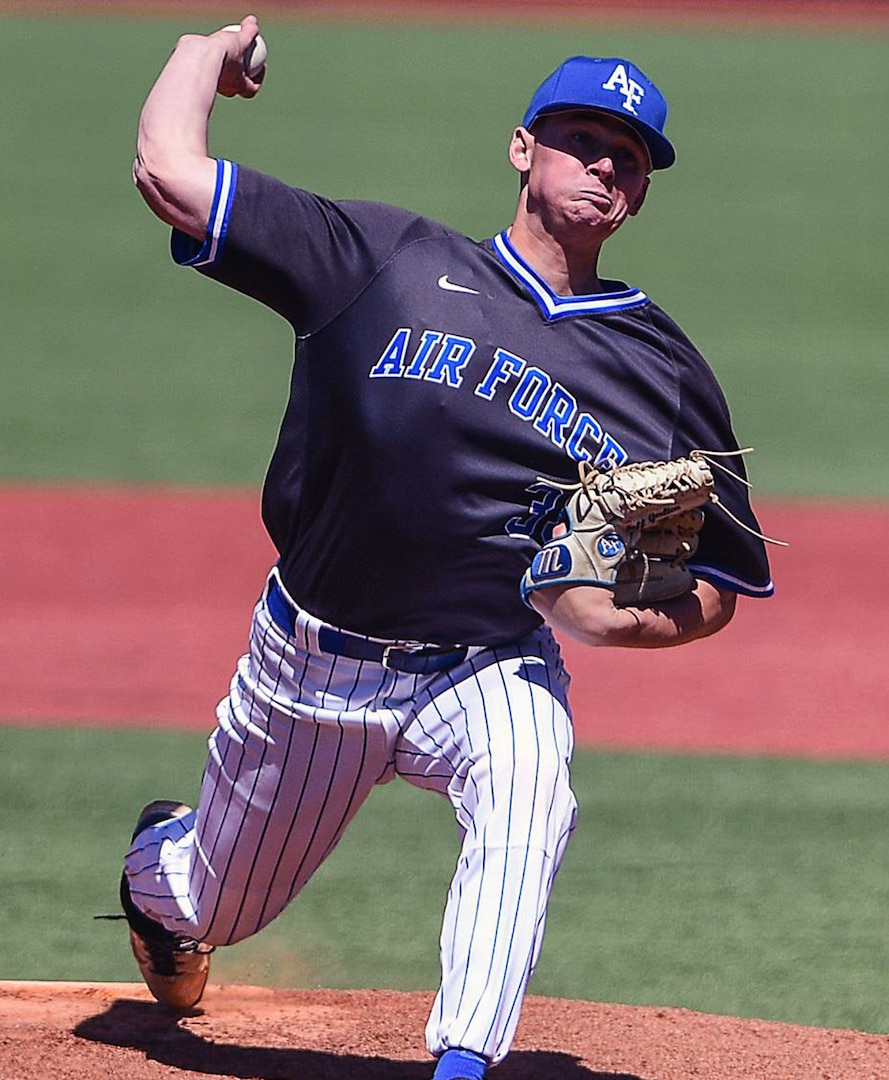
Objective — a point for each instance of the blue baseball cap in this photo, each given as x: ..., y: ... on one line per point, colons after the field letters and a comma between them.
x: 613, y: 86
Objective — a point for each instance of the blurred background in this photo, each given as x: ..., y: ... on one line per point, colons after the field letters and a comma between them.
x: 766, y: 241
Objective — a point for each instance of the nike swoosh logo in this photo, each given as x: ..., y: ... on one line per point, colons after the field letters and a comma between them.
x: 451, y: 286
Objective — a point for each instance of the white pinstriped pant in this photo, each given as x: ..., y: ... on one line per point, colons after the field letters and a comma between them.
x: 300, y: 742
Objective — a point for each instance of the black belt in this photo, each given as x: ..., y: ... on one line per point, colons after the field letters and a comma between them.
x: 409, y: 659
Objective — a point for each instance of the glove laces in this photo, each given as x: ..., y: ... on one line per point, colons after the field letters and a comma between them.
x: 710, y: 457
x: 675, y: 485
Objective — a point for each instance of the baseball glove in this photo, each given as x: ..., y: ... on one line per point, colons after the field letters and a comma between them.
x: 631, y: 529
x: 656, y: 567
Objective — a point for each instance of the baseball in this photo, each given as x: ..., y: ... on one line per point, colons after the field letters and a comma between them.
x: 255, y: 55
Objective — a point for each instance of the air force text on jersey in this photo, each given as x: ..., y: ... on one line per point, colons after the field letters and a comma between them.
x: 533, y: 395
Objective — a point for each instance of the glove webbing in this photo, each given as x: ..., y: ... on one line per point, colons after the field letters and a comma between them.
x: 641, y: 493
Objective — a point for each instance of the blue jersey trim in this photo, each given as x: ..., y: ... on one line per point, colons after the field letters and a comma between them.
x: 560, y: 307
x: 729, y: 581
x: 187, y: 251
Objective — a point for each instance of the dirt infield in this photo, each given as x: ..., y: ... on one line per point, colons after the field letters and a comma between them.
x: 114, y: 1030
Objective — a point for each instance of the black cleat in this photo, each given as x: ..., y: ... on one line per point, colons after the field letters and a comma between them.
x: 175, y: 968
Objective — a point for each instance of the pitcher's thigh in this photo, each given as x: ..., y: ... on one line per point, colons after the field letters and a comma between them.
x: 496, y: 738
x: 273, y: 806
x: 518, y: 788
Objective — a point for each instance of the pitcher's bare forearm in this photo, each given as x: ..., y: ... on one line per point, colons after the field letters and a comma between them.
x: 173, y: 170
x: 587, y: 614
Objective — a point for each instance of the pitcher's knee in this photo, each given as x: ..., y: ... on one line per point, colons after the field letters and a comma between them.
x: 231, y: 916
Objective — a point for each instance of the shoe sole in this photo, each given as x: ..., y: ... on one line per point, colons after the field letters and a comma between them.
x: 183, y: 990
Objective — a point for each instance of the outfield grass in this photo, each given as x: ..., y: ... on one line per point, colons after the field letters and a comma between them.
x: 739, y: 886
x: 765, y: 241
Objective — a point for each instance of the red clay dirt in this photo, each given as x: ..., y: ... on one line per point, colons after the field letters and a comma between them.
x: 89, y: 1032
x: 131, y: 606
x: 811, y: 14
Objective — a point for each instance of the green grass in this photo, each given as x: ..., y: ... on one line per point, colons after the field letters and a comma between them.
x: 765, y: 241
x: 747, y: 887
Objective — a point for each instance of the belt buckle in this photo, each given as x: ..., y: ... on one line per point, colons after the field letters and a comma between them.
x: 429, y: 658
x: 410, y: 647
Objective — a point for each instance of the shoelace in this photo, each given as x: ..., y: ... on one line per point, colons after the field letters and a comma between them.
x: 165, y: 954
x: 163, y: 946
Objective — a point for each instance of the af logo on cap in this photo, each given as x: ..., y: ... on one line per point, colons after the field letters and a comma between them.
x: 632, y: 91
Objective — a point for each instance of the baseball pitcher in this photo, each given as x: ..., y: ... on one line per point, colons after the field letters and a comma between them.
x: 483, y: 441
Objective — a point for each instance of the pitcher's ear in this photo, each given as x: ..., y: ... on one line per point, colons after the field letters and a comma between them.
x: 521, y: 147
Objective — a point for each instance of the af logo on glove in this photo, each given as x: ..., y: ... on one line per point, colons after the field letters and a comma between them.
x: 610, y: 546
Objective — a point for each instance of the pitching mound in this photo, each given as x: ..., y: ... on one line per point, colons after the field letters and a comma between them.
x: 84, y: 1031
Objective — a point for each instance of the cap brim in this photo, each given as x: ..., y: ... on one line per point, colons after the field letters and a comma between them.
x: 660, y: 149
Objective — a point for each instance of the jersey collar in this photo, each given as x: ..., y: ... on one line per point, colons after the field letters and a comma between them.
x: 559, y: 307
